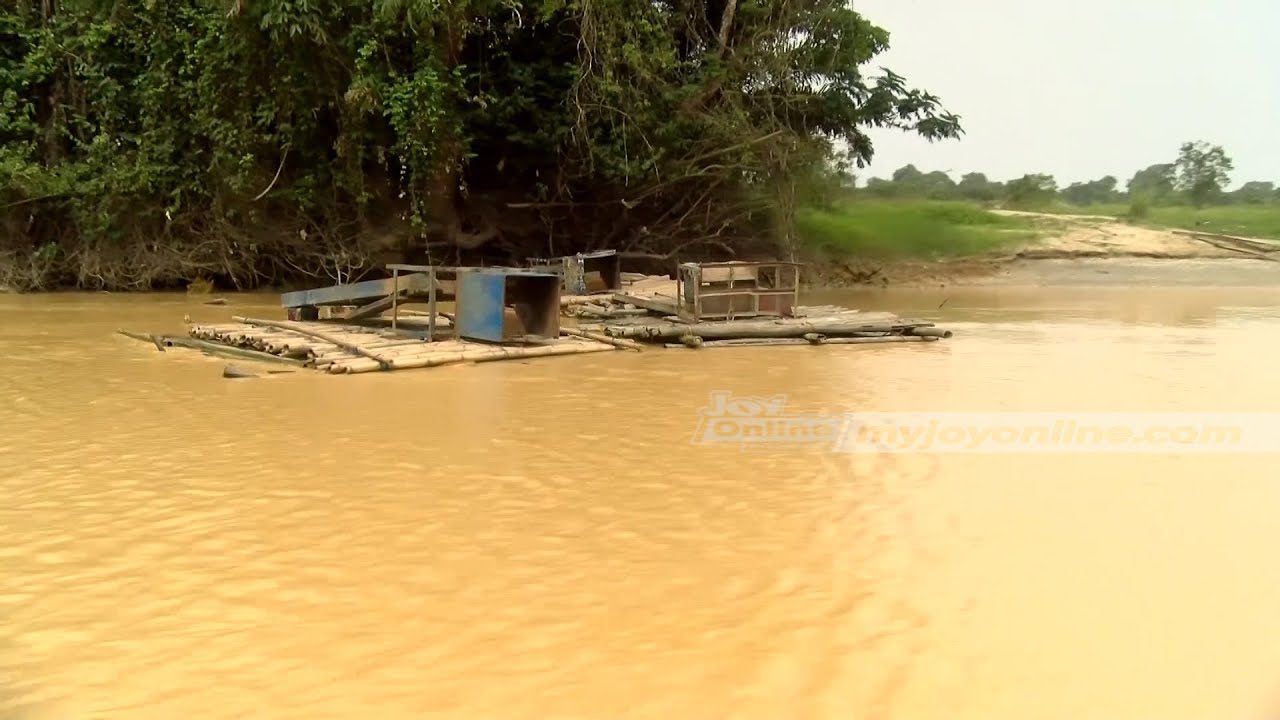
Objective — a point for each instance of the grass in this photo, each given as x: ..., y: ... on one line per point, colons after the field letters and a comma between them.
x: 1259, y: 221
x: 909, y: 230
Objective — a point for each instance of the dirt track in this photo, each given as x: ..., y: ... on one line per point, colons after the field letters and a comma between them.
x: 1078, y: 236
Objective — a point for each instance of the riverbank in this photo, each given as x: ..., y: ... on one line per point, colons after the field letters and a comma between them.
x: 1049, y: 246
x: 879, y: 243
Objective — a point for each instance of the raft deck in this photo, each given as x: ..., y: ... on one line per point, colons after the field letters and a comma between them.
x: 346, y: 348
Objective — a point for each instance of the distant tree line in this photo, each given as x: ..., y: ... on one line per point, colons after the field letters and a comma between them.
x: 1198, y: 177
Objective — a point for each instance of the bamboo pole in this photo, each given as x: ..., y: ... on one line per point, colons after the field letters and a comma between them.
x: 142, y: 337
x: 615, y: 342
x: 395, y: 353
x: 319, y: 336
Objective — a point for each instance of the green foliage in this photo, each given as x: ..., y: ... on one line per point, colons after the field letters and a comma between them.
x: 1203, y: 171
x: 1031, y: 191
x: 1260, y: 221
x: 1139, y: 208
x: 896, y: 229
x: 152, y: 142
x: 1156, y: 183
x: 1159, y: 185
x: 976, y: 187
x: 1255, y: 193
x: 1090, y: 193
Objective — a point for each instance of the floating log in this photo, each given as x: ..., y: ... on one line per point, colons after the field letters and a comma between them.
x: 318, y: 335
x: 233, y: 372
x: 567, y: 300
x: 928, y: 332
x: 209, y: 348
x: 759, y: 329
x: 615, y: 342
x: 756, y: 342
x: 216, y: 301
x: 690, y: 341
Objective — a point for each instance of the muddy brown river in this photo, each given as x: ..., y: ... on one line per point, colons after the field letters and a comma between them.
x: 543, y: 540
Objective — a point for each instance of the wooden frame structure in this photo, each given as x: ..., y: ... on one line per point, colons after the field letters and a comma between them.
x: 575, y: 269
x: 484, y: 294
x: 535, y: 293
x: 728, y: 290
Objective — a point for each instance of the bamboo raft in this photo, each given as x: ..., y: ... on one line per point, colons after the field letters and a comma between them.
x: 344, y: 349
x: 640, y: 315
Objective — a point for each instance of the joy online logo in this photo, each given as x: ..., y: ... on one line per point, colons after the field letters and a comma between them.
x: 744, y: 421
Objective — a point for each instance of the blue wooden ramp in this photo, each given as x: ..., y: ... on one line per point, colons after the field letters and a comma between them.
x: 357, y: 293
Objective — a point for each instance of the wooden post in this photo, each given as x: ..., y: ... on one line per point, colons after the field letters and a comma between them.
x: 395, y: 295
x: 729, y: 310
x: 698, y: 289
x: 431, y: 306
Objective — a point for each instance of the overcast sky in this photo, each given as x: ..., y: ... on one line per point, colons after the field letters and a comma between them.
x: 1086, y: 88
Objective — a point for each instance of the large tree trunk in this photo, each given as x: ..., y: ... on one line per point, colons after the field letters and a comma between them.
x: 443, y: 192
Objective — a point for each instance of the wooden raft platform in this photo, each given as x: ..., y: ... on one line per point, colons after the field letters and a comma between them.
x: 344, y: 348
x: 646, y: 311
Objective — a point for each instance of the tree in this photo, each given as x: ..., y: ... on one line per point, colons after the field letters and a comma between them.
x: 1154, y: 184
x: 1031, y: 191
x: 909, y: 182
x: 1203, y: 170
x: 881, y: 188
x: 975, y: 186
x: 144, y: 142
x: 907, y: 175
x: 1094, y: 192
x: 1255, y: 193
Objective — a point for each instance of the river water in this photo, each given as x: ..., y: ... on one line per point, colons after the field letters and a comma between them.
x: 543, y: 540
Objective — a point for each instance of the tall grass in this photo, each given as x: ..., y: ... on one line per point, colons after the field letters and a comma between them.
x: 909, y: 229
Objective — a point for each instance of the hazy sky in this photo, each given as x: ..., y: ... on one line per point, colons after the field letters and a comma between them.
x: 1086, y: 88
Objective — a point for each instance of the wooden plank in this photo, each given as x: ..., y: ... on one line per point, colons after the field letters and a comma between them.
x: 648, y: 302
x: 353, y: 294
x: 377, y: 307
x: 719, y: 275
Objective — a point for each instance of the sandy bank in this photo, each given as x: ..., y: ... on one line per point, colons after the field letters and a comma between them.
x: 1077, y: 236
